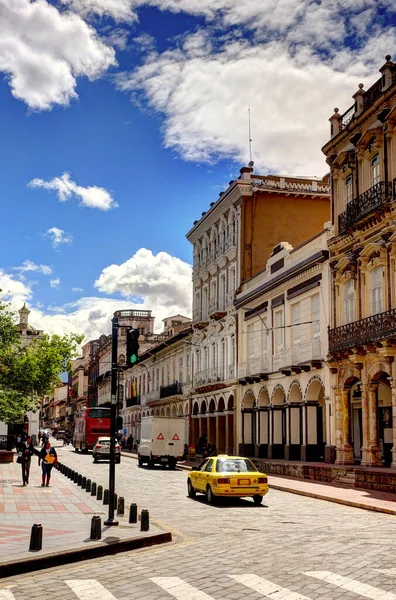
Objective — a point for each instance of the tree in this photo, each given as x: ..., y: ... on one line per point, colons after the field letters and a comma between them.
x: 28, y: 374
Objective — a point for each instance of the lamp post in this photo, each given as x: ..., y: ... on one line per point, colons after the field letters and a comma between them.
x: 111, y: 521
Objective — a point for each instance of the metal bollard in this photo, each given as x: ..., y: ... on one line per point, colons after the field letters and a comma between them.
x: 75, y: 479
x: 93, y: 488
x: 68, y: 471
x: 96, y: 528
x: 120, y: 506
x: 79, y: 480
x: 84, y: 483
x: 88, y: 485
x: 115, y: 501
x: 99, y: 493
x: 36, y: 538
x: 133, y: 513
x: 144, y: 520
x: 106, y: 497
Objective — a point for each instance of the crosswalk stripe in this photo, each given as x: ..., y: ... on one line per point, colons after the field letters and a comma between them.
x: 267, y: 588
x: 89, y: 589
x: 6, y: 594
x: 391, y: 572
x: 178, y: 588
x: 352, y: 585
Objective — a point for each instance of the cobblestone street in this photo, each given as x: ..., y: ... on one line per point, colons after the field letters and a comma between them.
x: 290, y: 548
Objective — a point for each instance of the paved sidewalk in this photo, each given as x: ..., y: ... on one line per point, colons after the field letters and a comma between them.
x: 332, y: 492
x: 63, y: 509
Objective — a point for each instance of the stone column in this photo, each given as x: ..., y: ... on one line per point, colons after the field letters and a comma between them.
x: 227, y: 432
x: 304, y: 432
x: 375, y: 452
x: 365, y: 428
x: 393, y: 384
x: 288, y: 436
x: 217, y: 431
x: 344, y: 450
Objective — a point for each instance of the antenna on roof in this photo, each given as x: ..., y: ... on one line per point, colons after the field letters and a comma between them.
x: 251, y: 163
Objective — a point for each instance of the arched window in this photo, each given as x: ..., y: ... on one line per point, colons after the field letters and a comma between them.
x: 348, y: 188
x: 375, y: 170
x: 349, y: 301
x: 376, y: 291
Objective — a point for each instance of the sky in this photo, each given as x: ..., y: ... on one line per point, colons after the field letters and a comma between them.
x: 122, y: 120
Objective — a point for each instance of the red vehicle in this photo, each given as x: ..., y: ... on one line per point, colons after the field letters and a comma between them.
x: 89, y: 424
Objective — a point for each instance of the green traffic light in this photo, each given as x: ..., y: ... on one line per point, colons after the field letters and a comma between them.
x: 134, y: 359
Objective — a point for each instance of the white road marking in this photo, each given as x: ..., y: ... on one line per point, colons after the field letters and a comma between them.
x: 267, y: 588
x: 89, y: 589
x: 390, y: 572
x: 178, y: 588
x: 352, y: 585
x: 6, y: 594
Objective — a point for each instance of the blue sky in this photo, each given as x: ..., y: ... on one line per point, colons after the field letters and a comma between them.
x: 145, y: 103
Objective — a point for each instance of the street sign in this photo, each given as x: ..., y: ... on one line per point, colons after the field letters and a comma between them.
x: 176, y: 438
x: 160, y: 436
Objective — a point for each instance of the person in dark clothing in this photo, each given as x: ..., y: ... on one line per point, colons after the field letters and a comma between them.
x: 47, y: 457
x: 26, y: 450
x: 130, y: 443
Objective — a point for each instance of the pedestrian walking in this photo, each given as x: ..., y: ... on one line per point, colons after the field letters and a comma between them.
x: 48, y: 458
x: 130, y: 443
x: 26, y: 451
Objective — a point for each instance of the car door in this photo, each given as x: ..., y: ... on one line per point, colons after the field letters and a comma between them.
x: 206, y: 474
x: 198, y: 476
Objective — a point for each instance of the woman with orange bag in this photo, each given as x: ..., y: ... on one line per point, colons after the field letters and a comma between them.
x: 48, y: 458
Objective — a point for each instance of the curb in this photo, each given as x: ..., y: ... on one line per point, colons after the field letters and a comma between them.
x: 19, y: 567
x: 351, y: 503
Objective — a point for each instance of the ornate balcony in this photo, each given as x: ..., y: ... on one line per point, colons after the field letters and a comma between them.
x: 208, y: 376
x: 134, y: 401
x: 363, y: 332
x: 374, y: 198
x: 174, y: 389
x: 306, y: 352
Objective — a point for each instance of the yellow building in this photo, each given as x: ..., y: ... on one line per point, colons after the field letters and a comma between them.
x: 362, y: 338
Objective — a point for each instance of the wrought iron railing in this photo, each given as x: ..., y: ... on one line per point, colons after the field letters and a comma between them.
x: 208, y: 376
x: 362, y: 205
x: 134, y: 401
x: 348, y: 116
x: 170, y: 390
x: 371, y: 329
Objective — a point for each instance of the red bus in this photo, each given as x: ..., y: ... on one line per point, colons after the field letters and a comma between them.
x: 89, y: 424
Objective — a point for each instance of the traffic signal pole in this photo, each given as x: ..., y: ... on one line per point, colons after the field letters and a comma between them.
x: 113, y: 415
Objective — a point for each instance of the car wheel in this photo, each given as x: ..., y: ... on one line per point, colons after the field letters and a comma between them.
x: 151, y: 463
x: 211, y: 498
x: 140, y: 461
x: 257, y: 499
x: 191, y: 492
x: 95, y: 458
x: 172, y: 463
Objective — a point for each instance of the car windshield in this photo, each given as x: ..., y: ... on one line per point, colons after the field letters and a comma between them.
x: 104, y: 442
x: 235, y: 465
x: 99, y: 413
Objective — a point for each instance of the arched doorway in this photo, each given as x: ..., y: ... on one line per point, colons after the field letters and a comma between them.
x: 380, y: 427
x: 277, y: 444
x: 294, y: 423
x: 211, y: 418
x: 203, y: 422
x: 230, y: 439
x: 221, y: 426
x: 248, y: 424
x: 314, y: 426
x: 263, y: 423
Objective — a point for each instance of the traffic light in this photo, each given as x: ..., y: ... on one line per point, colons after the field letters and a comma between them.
x: 132, y: 347
x: 119, y: 423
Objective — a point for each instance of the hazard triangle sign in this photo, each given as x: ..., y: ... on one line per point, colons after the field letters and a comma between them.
x: 176, y: 437
x: 160, y: 437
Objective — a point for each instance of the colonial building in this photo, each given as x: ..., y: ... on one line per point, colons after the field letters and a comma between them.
x: 232, y: 242
x: 283, y: 403
x: 78, y: 381
x: 362, y: 339
x: 160, y: 384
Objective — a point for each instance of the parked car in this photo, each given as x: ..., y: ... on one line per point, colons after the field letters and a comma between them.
x: 102, y: 450
x: 60, y: 434
x: 232, y: 476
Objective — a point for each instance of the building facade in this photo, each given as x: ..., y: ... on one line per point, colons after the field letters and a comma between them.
x: 283, y: 392
x: 232, y: 242
x: 362, y: 340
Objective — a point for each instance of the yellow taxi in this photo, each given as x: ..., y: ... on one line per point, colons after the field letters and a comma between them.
x: 232, y: 476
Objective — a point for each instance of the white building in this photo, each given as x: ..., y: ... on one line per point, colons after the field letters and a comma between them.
x: 283, y: 397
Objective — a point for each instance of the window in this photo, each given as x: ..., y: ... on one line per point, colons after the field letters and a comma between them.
x: 197, y: 362
x: 279, y: 331
x: 213, y: 292
x: 209, y: 465
x: 232, y: 351
x: 348, y: 189
x: 250, y: 340
x: 375, y: 170
x: 265, y: 336
x: 232, y: 285
x: 222, y: 292
x: 214, y: 357
x: 296, y: 319
x: 181, y: 369
x: 187, y: 368
x: 349, y: 302
x: 315, y: 316
x: 376, y: 291
x: 205, y: 304
x: 235, y: 465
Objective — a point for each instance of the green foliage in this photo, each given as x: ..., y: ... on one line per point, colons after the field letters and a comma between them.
x: 28, y: 374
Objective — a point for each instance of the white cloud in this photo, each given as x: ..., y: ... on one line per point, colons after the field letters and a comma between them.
x: 54, y: 283
x: 58, y: 236
x: 44, y: 51
x: 30, y: 266
x: 77, y: 289
x: 92, y: 196
x: 17, y: 292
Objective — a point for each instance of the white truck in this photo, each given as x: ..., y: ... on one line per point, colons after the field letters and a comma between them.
x: 161, y: 441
